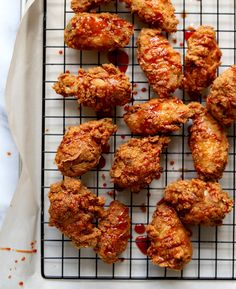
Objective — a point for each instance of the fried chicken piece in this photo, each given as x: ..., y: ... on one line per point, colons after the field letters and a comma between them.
x: 72, y: 210
x: 81, y: 147
x: 170, y: 243
x: 137, y: 162
x: 157, y: 116
x: 86, y: 5
x: 198, y: 202
x: 157, y: 13
x: 208, y: 143
x: 201, y: 61
x: 221, y: 102
x: 97, y: 31
x: 100, y: 88
x: 159, y: 61
x: 115, y: 232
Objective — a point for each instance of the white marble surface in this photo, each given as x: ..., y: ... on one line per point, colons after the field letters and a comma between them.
x: 9, y: 158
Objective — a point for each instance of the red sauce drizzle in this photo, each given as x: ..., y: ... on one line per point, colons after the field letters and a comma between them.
x: 172, y: 163
x: 143, y: 208
x: 102, y: 163
x: 5, y: 249
x: 144, y: 89
x: 142, y: 243
x: 26, y: 251
x: 139, y: 228
x: 60, y: 52
x: 119, y: 58
x: 122, y: 136
x: 188, y: 34
x: 21, y: 283
x: 23, y: 259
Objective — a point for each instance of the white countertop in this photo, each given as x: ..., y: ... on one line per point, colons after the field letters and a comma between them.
x: 9, y: 158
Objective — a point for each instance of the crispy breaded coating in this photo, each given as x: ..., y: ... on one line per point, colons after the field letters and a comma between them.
x: 97, y: 31
x: 100, y: 88
x: 208, y: 143
x: 170, y: 243
x: 201, y: 61
x: 221, y: 102
x: 81, y: 147
x: 115, y: 232
x: 157, y: 13
x: 198, y: 202
x: 159, y: 61
x: 86, y: 5
x: 137, y: 162
x: 72, y: 210
x: 157, y: 116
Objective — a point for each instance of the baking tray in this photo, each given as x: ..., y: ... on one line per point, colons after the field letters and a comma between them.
x: 214, y: 248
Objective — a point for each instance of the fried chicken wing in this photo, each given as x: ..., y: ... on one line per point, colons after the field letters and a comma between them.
x: 86, y: 5
x: 157, y: 116
x: 100, y: 88
x: 198, y: 202
x: 201, y: 61
x: 159, y: 61
x: 72, y: 210
x: 170, y: 243
x: 97, y: 31
x: 221, y: 102
x: 115, y: 232
x: 81, y: 147
x: 157, y: 13
x: 208, y: 143
x: 137, y: 162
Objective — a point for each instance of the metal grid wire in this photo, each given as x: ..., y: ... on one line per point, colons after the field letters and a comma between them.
x: 214, y: 248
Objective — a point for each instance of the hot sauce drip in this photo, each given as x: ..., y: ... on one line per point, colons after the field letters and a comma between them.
x: 188, y: 34
x: 139, y: 228
x: 102, y: 163
x: 119, y: 58
x: 142, y: 243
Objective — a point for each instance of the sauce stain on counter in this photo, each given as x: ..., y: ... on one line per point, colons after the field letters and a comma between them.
x: 119, y: 58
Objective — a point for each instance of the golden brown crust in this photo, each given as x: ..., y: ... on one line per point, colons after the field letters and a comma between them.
x: 209, y: 145
x: 102, y: 32
x: 201, y: 61
x: 100, y: 88
x: 72, y: 210
x: 221, y: 102
x: 115, y: 232
x: 85, y: 5
x: 159, y: 61
x: 198, y: 202
x: 81, y: 147
x: 157, y: 13
x: 170, y: 244
x: 137, y: 162
x: 157, y: 116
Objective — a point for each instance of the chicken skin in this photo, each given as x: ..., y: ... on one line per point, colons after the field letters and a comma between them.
x: 198, y: 202
x: 86, y: 5
x: 208, y: 143
x: 221, y: 102
x: 170, y: 243
x: 157, y: 13
x: 137, y: 162
x: 81, y: 147
x: 115, y: 232
x: 97, y: 31
x: 159, y: 61
x: 100, y: 88
x: 72, y: 210
x: 157, y: 116
x: 202, y: 60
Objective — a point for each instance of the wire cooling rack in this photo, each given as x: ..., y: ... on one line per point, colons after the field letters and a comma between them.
x: 214, y: 248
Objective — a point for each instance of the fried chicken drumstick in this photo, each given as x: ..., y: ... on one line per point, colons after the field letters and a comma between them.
x: 97, y: 31
x: 157, y: 13
x: 159, y: 61
x: 170, y: 243
x: 201, y: 61
x: 81, y: 147
x: 137, y: 162
x: 221, y: 102
x: 100, y: 88
x: 157, y: 116
x: 198, y: 202
x: 72, y: 210
x: 115, y: 232
x: 208, y: 143
x: 86, y: 5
